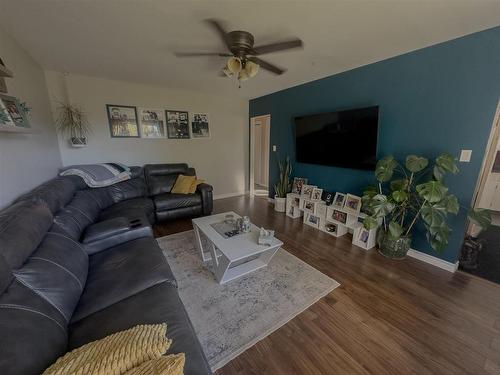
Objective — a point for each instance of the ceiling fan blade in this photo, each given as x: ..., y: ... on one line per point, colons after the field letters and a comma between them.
x: 195, y: 54
x: 275, y: 47
x: 267, y: 66
x: 217, y: 26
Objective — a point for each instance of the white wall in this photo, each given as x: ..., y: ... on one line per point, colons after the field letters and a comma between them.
x: 221, y: 160
x: 26, y: 160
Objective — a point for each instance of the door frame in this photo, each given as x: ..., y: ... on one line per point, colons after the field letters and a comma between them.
x: 488, y: 159
x: 252, y: 151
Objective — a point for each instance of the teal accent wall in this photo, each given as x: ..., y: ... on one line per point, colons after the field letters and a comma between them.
x: 438, y: 99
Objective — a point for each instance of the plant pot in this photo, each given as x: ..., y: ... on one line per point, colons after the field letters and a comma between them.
x: 279, y: 204
x: 394, y: 249
x: 470, y: 253
x: 78, y: 141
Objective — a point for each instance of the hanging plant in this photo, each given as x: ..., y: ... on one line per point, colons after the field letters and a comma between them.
x: 72, y: 122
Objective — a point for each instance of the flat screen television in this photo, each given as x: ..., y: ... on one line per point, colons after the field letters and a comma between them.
x: 345, y: 139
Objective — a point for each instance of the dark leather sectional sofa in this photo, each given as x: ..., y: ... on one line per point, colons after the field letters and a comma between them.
x: 77, y: 264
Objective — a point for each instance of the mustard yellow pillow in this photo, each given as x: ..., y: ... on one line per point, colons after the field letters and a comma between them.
x: 194, y: 185
x: 115, y: 354
x: 167, y: 365
x: 183, y: 184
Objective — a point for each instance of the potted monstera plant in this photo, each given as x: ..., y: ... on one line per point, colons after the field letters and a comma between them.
x: 409, y: 192
x: 283, y: 186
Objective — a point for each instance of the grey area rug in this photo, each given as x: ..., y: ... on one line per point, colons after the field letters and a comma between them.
x: 230, y: 318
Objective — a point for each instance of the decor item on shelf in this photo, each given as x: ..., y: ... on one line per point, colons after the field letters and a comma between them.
x: 298, y: 183
x: 5, y: 119
x: 316, y: 194
x: 122, y: 121
x: 72, y: 122
x: 152, y: 122
x: 352, y: 204
x: 339, y: 200
x: 327, y: 197
x: 400, y: 202
x: 307, y: 191
x: 15, y: 111
x: 283, y: 186
x: 177, y: 124
x: 243, y: 62
x: 4, y: 72
x: 199, y: 126
x: 266, y: 236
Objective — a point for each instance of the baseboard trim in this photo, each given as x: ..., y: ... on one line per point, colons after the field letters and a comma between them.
x: 440, y: 263
x: 230, y: 195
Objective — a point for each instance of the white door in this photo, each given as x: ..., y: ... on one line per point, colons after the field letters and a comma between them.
x: 259, y: 155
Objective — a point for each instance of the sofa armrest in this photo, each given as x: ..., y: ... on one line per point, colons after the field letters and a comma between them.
x: 206, y: 197
x: 112, y: 232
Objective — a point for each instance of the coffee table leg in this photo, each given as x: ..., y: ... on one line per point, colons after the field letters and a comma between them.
x: 199, y: 244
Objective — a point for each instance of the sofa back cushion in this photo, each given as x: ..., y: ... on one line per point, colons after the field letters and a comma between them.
x: 130, y: 189
x: 81, y: 212
x: 161, y: 177
x: 57, y: 272
x: 56, y: 193
x: 22, y: 227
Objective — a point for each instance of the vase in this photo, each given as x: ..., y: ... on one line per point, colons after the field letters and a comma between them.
x: 279, y: 204
x: 394, y: 249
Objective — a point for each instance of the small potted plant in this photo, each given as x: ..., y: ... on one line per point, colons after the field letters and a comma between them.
x: 283, y: 186
x: 72, y: 122
x: 411, y: 192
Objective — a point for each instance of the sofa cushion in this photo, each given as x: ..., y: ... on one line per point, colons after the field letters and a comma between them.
x: 77, y: 215
x: 130, y: 189
x: 130, y: 209
x: 157, y: 304
x: 56, y: 192
x: 183, y: 184
x: 161, y: 177
x: 171, y: 201
x: 120, y: 272
x: 33, y: 333
x: 22, y: 227
x: 57, y: 272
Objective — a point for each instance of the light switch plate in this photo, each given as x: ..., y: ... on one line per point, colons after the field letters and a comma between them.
x: 465, y: 156
x: 274, y: 148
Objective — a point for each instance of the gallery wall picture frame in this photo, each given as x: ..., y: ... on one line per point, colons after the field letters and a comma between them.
x: 200, y: 125
x: 352, y: 204
x: 123, y: 122
x: 152, y: 123
x: 177, y: 124
x: 13, y: 107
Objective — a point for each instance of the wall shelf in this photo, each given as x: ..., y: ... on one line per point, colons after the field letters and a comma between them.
x: 18, y: 130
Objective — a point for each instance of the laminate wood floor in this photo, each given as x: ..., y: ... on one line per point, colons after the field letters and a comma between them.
x: 387, y: 317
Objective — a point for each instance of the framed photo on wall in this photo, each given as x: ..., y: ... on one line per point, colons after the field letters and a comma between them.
x: 152, y: 123
x: 200, y: 127
x: 122, y: 121
x: 177, y: 124
x: 14, y: 110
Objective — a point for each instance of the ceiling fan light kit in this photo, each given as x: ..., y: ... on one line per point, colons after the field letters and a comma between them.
x: 243, y: 62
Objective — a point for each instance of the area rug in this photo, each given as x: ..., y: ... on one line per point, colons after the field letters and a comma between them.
x: 230, y: 318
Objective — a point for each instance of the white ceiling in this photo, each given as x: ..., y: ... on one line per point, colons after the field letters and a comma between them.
x: 133, y: 40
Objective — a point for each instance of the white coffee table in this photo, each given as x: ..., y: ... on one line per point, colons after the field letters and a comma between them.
x: 235, y: 256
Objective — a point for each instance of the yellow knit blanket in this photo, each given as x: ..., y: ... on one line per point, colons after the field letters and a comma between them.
x: 136, y: 351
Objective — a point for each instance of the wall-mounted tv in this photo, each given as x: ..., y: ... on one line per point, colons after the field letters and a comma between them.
x: 345, y: 139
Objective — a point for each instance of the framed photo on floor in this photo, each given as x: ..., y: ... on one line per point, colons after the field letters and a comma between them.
x: 177, y: 124
x: 352, y: 204
x: 307, y: 191
x: 14, y: 110
x: 122, y: 121
x: 200, y: 127
x: 339, y: 200
x: 152, y: 123
x: 316, y: 194
x: 298, y: 182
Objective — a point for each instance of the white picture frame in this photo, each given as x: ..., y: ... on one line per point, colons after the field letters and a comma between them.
x: 152, y: 123
x: 316, y: 194
x: 307, y: 191
x: 352, y: 204
x: 339, y: 200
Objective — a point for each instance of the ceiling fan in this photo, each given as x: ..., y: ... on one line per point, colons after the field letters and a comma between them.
x: 243, y: 62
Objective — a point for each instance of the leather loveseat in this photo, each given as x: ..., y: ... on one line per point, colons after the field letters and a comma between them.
x: 78, y: 264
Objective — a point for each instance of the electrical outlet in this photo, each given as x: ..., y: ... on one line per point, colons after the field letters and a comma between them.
x: 465, y: 156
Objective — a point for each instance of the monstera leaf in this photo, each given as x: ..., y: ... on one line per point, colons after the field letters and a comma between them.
x: 399, y: 195
x: 370, y: 222
x: 444, y: 163
x: 451, y: 204
x: 395, y: 230
x: 380, y: 206
x: 385, y: 168
x: 438, y: 236
x: 416, y: 163
x: 399, y: 184
x: 432, y: 216
x: 432, y: 191
x: 480, y: 216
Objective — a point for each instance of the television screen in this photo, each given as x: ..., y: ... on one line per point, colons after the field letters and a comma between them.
x: 345, y: 139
